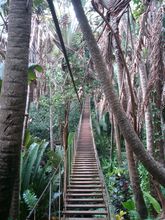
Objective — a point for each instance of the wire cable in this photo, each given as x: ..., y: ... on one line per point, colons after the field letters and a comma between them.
x: 58, y: 30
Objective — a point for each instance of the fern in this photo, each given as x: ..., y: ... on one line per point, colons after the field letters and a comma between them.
x: 30, y: 199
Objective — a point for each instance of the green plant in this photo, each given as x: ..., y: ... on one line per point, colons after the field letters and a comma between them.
x: 121, y: 215
x: 118, y: 186
x: 38, y: 164
x: 32, y: 71
x: 129, y: 205
x: 152, y: 201
x: 30, y: 199
x: 31, y: 160
x: 144, y: 177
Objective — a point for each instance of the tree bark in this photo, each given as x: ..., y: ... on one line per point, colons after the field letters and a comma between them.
x: 135, y: 183
x: 148, y: 118
x: 118, y: 143
x: 155, y: 168
x: 15, y: 203
x: 13, y: 99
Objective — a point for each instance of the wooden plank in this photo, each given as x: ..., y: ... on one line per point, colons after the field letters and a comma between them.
x: 85, y: 200
x: 85, y: 205
x: 84, y: 195
x: 84, y: 218
x: 85, y: 182
x: 84, y: 190
x: 84, y: 179
x: 84, y: 169
x: 86, y: 212
x: 85, y: 186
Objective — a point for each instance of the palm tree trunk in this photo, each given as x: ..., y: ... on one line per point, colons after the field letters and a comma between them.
x: 13, y: 99
x: 15, y: 204
x: 126, y: 128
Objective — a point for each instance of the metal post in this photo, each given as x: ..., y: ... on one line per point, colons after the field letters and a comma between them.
x: 68, y: 158
x: 34, y: 214
x: 59, y: 205
x: 50, y: 199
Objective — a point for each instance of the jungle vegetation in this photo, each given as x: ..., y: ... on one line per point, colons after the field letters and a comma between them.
x: 110, y: 50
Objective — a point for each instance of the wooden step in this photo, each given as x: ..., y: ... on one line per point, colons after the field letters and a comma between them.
x: 86, y: 200
x: 84, y: 169
x: 85, y: 212
x: 84, y: 175
x: 84, y: 182
x: 90, y: 161
x: 84, y: 194
x: 85, y: 186
x: 83, y: 162
x: 83, y: 179
x: 85, y: 205
x: 79, y: 218
x: 84, y: 190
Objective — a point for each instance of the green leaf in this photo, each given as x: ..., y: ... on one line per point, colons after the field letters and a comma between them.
x: 40, y: 154
x: 129, y: 205
x: 39, y: 68
x: 31, y: 75
x: 36, y: 67
x: 30, y: 199
x: 153, y: 202
x: 27, y: 138
x: 71, y: 138
x: 31, y: 71
x: 28, y: 163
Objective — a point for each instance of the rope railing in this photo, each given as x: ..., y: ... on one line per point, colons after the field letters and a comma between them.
x: 105, y: 192
x: 70, y: 153
x: 44, y: 191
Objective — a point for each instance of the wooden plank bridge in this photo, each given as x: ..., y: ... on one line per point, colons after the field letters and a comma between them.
x: 85, y: 196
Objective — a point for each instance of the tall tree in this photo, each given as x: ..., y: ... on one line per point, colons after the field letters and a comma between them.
x: 126, y: 128
x: 13, y: 99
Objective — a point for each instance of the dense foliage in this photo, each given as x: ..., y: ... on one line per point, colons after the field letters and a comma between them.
x: 131, y: 41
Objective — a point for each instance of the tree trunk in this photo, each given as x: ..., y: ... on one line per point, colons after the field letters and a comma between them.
x: 15, y: 204
x: 148, y: 117
x: 155, y: 168
x: 118, y: 143
x: 13, y: 99
x: 135, y: 183
x: 51, y: 117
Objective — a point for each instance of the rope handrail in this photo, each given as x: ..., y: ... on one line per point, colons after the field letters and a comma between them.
x: 76, y: 135
x: 39, y: 199
x: 75, y: 140
x: 106, y: 195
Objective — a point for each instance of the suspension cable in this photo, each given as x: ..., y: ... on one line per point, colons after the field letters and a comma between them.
x: 58, y: 30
